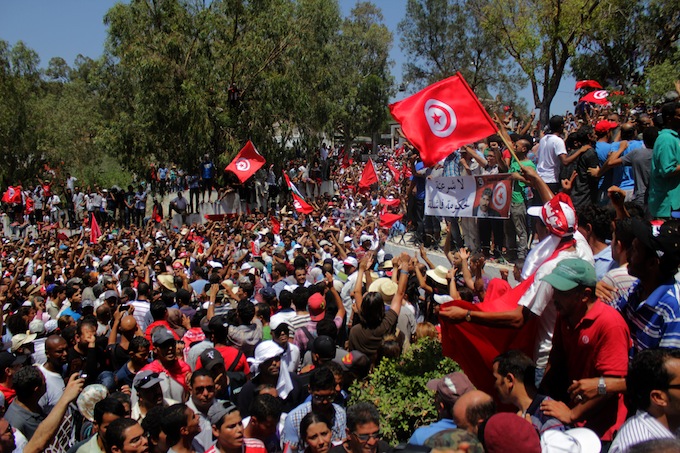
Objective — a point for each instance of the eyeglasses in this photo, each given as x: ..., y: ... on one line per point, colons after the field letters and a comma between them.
x: 323, y: 398
x: 209, y: 388
x: 366, y: 437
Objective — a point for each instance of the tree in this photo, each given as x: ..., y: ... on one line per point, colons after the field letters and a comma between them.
x: 441, y: 37
x: 541, y: 36
x: 362, y: 60
x: 621, y: 51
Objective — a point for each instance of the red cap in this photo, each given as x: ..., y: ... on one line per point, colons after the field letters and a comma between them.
x: 605, y: 125
x: 317, y: 307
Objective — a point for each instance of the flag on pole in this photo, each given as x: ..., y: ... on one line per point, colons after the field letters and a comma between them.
x: 587, y: 84
x: 95, y: 232
x: 443, y: 117
x: 246, y: 162
x: 396, y: 173
x: 596, y: 97
x: 300, y: 204
x: 369, y: 176
x: 387, y: 219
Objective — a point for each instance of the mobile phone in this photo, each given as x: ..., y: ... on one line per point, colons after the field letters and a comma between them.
x: 123, y: 307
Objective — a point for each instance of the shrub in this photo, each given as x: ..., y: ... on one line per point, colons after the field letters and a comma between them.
x: 397, y: 388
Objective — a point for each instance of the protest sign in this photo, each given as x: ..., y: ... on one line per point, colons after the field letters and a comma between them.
x: 469, y: 196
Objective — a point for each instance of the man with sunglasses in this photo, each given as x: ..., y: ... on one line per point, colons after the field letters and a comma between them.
x: 363, y: 431
x: 202, y: 399
x: 147, y: 386
x: 172, y: 370
x: 322, y: 389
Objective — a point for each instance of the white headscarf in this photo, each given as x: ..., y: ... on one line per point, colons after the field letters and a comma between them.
x: 264, y: 351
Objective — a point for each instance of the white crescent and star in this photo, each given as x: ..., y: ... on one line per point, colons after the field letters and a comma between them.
x: 440, y: 117
x: 242, y: 164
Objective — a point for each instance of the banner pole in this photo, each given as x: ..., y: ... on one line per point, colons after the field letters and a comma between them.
x: 510, y: 147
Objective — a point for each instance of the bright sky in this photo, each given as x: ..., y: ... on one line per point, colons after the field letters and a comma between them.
x: 66, y: 28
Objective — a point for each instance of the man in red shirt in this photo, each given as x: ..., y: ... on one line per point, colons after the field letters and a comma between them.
x: 171, y: 369
x: 591, y: 340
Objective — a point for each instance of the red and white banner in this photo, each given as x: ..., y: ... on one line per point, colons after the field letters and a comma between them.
x: 395, y: 173
x: 596, y: 97
x: 441, y: 118
x: 469, y: 196
x: 246, y: 162
x: 12, y: 195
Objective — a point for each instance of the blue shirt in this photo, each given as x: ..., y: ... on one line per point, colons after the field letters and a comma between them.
x: 420, y: 180
x: 423, y: 433
x: 603, y: 149
x: 623, y: 175
x: 207, y: 170
x: 604, y: 262
x: 654, y: 323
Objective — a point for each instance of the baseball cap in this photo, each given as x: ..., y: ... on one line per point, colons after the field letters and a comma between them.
x: 161, y: 336
x: 146, y: 380
x: 110, y: 294
x: 351, y: 261
x: 570, y: 273
x: 324, y: 346
x: 558, y: 215
x: 220, y: 409
x: 317, y: 307
x: 356, y: 362
x: 268, y: 293
x: 451, y: 387
x: 576, y: 440
x: 605, y: 125
x: 210, y: 358
x: 7, y: 359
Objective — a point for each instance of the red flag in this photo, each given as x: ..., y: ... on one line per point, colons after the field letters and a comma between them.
x: 442, y: 117
x: 396, y: 173
x: 300, y: 204
x: 388, y: 202
x: 276, y: 225
x: 246, y: 162
x: 587, y: 84
x: 95, y: 232
x: 387, y: 219
x: 474, y: 346
x: 12, y: 195
x: 369, y: 176
x: 596, y: 97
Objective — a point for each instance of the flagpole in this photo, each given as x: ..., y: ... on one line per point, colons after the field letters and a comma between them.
x: 509, y: 146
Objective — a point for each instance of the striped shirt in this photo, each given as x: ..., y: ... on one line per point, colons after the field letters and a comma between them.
x: 621, y: 281
x: 655, y: 322
x: 142, y: 307
x: 639, y: 428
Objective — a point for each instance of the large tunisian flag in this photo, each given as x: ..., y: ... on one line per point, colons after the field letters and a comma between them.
x: 596, y: 97
x: 246, y: 162
x: 441, y: 118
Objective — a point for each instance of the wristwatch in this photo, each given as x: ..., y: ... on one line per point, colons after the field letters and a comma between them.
x: 601, y: 387
x: 468, y: 316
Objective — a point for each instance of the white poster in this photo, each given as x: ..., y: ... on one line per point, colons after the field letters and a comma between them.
x: 469, y: 196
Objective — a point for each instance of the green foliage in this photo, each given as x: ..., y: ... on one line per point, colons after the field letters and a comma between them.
x: 397, y: 388
x: 441, y: 37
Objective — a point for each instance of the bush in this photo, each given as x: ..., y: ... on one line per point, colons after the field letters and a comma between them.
x: 397, y: 388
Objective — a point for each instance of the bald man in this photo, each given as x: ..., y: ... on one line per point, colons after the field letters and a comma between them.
x: 56, y: 350
x: 125, y: 325
x: 473, y: 408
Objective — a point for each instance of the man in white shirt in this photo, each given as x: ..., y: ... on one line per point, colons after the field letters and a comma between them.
x: 552, y: 154
x: 653, y: 385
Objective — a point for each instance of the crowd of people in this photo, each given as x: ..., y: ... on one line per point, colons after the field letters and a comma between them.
x: 246, y: 332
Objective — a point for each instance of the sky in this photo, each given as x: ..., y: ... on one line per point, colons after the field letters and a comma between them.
x: 66, y: 28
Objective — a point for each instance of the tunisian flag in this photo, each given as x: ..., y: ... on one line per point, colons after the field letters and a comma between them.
x: 95, y: 232
x: 12, y: 195
x: 300, y: 204
x: 246, y: 162
x: 369, y: 176
x: 276, y: 225
x: 441, y: 118
x: 596, y: 97
x: 587, y: 84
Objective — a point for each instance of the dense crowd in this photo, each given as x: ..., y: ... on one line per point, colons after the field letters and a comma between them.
x: 247, y: 331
